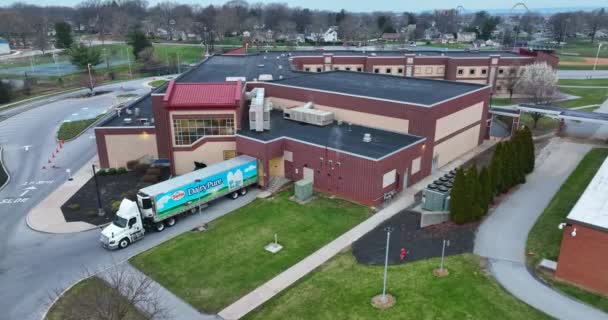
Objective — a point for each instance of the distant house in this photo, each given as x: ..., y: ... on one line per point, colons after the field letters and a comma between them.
x: 466, y: 36
x: 331, y: 35
x: 431, y: 33
x: 447, y: 38
x: 391, y: 36
x: 5, y: 47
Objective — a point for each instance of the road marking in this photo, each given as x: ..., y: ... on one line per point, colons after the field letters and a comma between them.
x: 34, y: 182
x: 13, y: 200
x: 26, y: 190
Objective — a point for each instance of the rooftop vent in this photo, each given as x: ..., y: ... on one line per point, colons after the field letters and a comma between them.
x: 265, y: 77
x: 367, y: 137
x: 308, y: 114
x: 259, y: 113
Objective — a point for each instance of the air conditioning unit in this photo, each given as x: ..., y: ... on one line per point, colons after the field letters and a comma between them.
x: 259, y: 112
x: 308, y: 114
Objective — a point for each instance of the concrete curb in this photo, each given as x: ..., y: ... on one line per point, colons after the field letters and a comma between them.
x: 17, y: 103
x: 95, y: 123
x: 93, y: 227
x: 2, y: 167
x: 52, y: 303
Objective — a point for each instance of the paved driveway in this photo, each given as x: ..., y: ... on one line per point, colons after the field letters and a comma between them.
x: 502, y: 236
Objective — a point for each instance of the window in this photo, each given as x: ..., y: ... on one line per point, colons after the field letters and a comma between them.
x: 336, y: 68
x: 501, y: 71
x: 484, y: 71
x: 307, y: 69
x: 389, y: 70
x: 498, y: 88
x: 440, y: 70
x: 400, y: 71
x: 229, y: 154
x: 512, y: 71
x: 460, y: 71
x: 471, y: 72
x: 389, y: 178
x: 359, y: 69
x: 376, y: 70
x: 318, y: 69
x: 347, y: 68
x: 132, y: 222
x: 428, y: 70
x: 416, y: 165
x: 187, y: 131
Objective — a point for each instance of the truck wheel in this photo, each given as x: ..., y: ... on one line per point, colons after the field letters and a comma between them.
x: 124, y: 243
x: 171, y: 222
x: 234, y: 195
x: 159, y: 227
x: 243, y: 191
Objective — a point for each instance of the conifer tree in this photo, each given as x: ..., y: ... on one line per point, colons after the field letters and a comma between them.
x: 529, y: 146
x: 496, y: 169
x: 474, y: 196
x: 458, y: 205
x: 486, y: 189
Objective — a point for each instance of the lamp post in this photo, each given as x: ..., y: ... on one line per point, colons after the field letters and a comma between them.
x: 597, y: 55
x: 90, y: 77
x: 388, y: 237
x: 100, y: 211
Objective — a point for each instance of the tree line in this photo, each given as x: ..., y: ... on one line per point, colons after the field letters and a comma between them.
x: 474, y: 191
x: 30, y: 25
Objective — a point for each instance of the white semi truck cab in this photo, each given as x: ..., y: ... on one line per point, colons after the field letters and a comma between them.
x: 159, y: 205
x: 126, y: 228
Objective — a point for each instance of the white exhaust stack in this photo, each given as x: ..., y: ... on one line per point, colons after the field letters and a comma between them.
x: 367, y: 137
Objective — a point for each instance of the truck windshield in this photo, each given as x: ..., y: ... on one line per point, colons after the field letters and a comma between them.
x: 120, y: 222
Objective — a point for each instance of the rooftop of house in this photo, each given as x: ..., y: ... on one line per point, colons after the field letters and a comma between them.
x: 342, y: 137
x: 424, y: 92
x: 591, y: 209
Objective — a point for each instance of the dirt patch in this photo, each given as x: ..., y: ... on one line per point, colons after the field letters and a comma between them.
x: 586, y: 62
x: 421, y: 243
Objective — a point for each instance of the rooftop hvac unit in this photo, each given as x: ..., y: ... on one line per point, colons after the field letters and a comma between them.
x: 308, y: 114
x: 265, y: 77
x: 259, y: 112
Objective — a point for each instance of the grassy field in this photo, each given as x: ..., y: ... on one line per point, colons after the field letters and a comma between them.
x: 544, y: 125
x: 583, y: 82
x: 545, y: 238
x: 502, y: 102
x: 581, y: 67
x: 69, y: 130
x: 590, y: 109
x: 588, y: 96
x: 583, y: 47
x: 342, y: 289
x: 210, y: 270
x: 86, y: 287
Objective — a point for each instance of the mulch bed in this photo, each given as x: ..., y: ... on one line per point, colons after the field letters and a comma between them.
x: 421, y: 243
x: 111, y: 188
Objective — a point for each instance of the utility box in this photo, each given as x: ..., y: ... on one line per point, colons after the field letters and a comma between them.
x: 303, y: 189
x: 434, y: 200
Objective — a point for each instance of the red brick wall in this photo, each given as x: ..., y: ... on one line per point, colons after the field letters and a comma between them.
x: 583, y: 260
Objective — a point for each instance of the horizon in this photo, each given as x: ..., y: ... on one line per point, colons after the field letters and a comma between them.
x: 381, y: 5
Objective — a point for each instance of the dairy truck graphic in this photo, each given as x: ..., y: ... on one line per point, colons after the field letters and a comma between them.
x: 158, y: 205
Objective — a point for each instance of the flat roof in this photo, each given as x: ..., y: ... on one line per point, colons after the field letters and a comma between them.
x: 418, y: 91
x: 144, y: 104
x: 592, y: 207
x: 345, y: 138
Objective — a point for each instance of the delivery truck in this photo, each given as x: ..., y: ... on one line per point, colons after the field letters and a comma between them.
x: 159, y: 205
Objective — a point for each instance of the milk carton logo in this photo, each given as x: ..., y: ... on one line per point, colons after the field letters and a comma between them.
x: 235, y: 179
x: 177, y: 195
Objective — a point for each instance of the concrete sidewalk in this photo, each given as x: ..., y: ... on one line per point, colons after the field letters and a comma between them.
x: 176, y: 308
x: 405, y: 199
x: 47, y: 215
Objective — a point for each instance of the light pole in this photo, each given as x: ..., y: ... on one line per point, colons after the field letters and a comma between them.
x: 100, y: 211
x: 597, y: 55
x: 388, y: 237
x: 90, y: 77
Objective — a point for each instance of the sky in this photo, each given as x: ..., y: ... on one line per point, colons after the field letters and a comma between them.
x: 377, y: 5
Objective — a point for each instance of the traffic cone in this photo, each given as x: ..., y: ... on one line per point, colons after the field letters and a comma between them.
x: 56, y: 150
x: 62, y: 141
x: 43, y: 167
x: 60, y: 145
x: 49, y: 160
x: 53, y: 154
x: 55, y: 167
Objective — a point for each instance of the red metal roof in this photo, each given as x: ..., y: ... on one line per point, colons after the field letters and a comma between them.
x: 202, y: 94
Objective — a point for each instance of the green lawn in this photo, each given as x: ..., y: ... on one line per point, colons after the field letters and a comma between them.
x: 127, y: 95
x: 502, y: 102
x: 581, y: 67
x: 210, y: 270
x: 88, y: 287
x: 583, y: 82
x: 157, y: 83
x: 583, y: 47
x: 588, y: 96
x: 342, y: 289
x: 590, y: 109
x: 545, y: 238
x: 69, y: 130
x: 544, y: 125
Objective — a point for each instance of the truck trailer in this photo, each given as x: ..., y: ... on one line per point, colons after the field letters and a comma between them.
x: 158, y: 205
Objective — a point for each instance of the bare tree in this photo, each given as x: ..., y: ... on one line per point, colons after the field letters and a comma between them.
x: 117, y: 294
x: 513, y: 79
x: 596, y: 20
